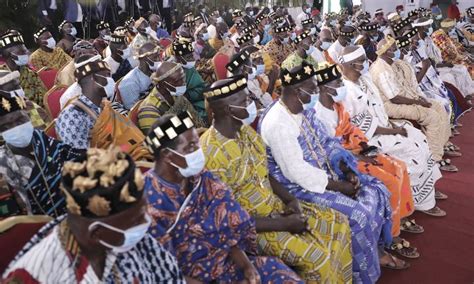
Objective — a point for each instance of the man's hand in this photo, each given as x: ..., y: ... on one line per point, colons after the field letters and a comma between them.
x: 251, y: 275
x: 296, y: 223
x: 347, y: 188
x: 370, y: 160
x: 400, y: 130
x: 424, y: 103
x: 293, y: 207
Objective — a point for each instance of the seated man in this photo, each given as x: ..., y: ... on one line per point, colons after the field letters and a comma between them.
x: 167, y: 97
x: 118, y: 60
x: 157, y: 26
x: 195, y: 85
x: 279, y: 47
x: 102, y: 41
x: 311, y: 239
x: 144, y: 34
x: 324, y: 41
x: 404, y: 99
x: 221, y: 42
x: 26, y: 157
x: 74, y: 123
x: 227, y: 238
x: 347, y: 37
x: 48, y: 54
x: 304, y: 49
x: 369, y: 38
x: 103, y: 238
x: 137, y: 83
x: 398, y: 139
x: 315, y: 168
x: 68, y: 32
x: 203, y: 53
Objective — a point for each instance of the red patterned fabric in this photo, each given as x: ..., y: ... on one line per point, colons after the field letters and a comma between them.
x: 219, y: 61
x: 48, y: 77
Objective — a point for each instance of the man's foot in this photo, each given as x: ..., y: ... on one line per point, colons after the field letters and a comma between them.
x: 435, y: 212
x: 450, y: 146
x: 391, y: 262
x: 410, y: 226
x: 455, y: 132
x: 440, y: 196
x: 452, y: 154
x: 445, y: 165
x: 402, y: 247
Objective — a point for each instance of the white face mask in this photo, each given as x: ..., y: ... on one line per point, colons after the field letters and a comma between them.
x: 126, y: 53
x: 195, y: 162
x: 50, y: 43
x: 219, y: 20
x: 19, y: 136
x: 179, y: 90
x: 22, y: 59
x: 341, y: 93
x: 251, y: 13
x: 430, y: 31
x: 109, y: 88
x: 310, y: 50
x: 107, y: 37
x: 148, y: 30
x: 325, y: 45
x: 131, y: 237
x: 251, y: 110
x: 307, y: 11
x: 312, y: 102
x: 153, y: 67
x: 189, y: 64
x: 256, y: 39
x: 251, y: 76
x: 260, y: 69
x: 158, y: 25
x: 73, y: 31
x: 205, y: 36
x: 312, y: 31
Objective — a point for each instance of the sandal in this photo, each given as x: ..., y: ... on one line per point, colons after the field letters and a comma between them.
x: 445, y: 165
x: 455, y: 132
x: 458, y: 124
x: 452, y: 154
x: 435, y: 212
x: 395, y: 263
x: 451, y: 147
x: 410, y: 226
x: 440, y: 196
x: 404, y: 249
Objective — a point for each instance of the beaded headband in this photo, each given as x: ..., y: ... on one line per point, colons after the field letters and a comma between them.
x: 102, y: 26
x: 129, y: 22
x: 411, y: 33
x: 40, y: 32
x: 412, y: 13
x: 301, y: 37
x: 238, y: 61
x: 120, y: 30
x: 181, y: 47
x: 197, y: 18
x: 381, y: 49
x: 237, y: 13
x: 119, y: 39
x: 327, y: 74
x: 393, y: 17
x: 281, y: 29
x: 60, y: 27
x: 306, y: 72
x: 370, y: 27
x: 249, y: 29
x: 245, y: 38
x: 378, y: 11
x: 403, y: 41
x: 307, y: 21
x: 11, y: 39
x: 237, y: 84
x: 405, y: 22
x: 346, y: 34
x: 260, y: 17
x: 470, y: 11
x: 167, y: 132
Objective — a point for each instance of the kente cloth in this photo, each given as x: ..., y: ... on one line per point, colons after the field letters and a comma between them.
x: 391, y: 171
x: 323, y: 253
x: 223, y: 46
x: 399, y: 79
x: 195, y: 87
x: 54, y: 60
x: 54, y: 256
x: 367, y: 111
x: 369, y: 213
x: 155, y: 106
x: 450, y: 52
x: 277, y: 51
x: 37, y: 178
x: 31, y: 84
x: 210, y: 225
x: 206, y: 69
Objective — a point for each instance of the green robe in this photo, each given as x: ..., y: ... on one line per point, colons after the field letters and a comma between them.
x: 195, y: 86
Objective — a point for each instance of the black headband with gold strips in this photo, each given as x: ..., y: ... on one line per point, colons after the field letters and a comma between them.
x: 197, y: 18
x: 90, y: 68
x: 60, y: 27
x: 235, y: 64
x: 120, y: 30
x: 102, y: 26
x: 403, y: 23
x: 370, y: 27
x: 237, y: 13
x: 168, y: 131
x: 327, y: 74
x: 249, y: 29
x: 411, y: 33
x: 40, y: 32
x: 11, y: 39
x: 306, y: 72
x: 181, y: 47
x: 403, y: 41
x: 118, y: 39
x: 307, y: 21
x: 129, y: 21
x: 301, y: 37
x: 470, y: 11
x: 245, y: 38
x: 235, y: 85
x: 260, y: 17
x: 346, y: 34
x: 412, y: 13
x: 281, y: 29
x: 10, y: 103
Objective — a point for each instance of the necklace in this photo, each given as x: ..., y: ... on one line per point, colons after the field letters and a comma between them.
x: 309, y: 144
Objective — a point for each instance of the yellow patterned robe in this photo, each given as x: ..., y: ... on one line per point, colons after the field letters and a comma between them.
x: 323, y: 254
x: 54, y: 60
x: 31, y: 84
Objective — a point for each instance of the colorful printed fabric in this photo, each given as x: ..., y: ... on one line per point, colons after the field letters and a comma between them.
x: 195, y: 86
x: 294, y: 59
x: 54, y: 60
x: 31, y: 83
x: 278, y: 52
x: 38, y: 180
x: 147, y: 262
x: 323, y: 253
x: 211, y: 223
x: 392, y: 172
x: 369, y: 214
x: 74, y: 125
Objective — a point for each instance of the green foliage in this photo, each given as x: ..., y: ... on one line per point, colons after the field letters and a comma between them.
x: 20, y: 15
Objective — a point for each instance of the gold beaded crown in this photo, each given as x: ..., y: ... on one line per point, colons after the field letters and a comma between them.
x: 370, y: 27
x: 327, y: 73
x: 241, y: 58
x: 235, y: 85
x: 11, y: 38
x: 102, y: 26
x: 168, y: 131
x: 301, y: 37
x: 306, y: 72
x: 101, y: 182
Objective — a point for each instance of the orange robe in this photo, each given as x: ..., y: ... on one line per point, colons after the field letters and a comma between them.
x: 392, y: 172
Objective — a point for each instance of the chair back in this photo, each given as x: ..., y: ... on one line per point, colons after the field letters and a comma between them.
x: 50, y: 130
x: 48, y: 76
x: 219, y: 61
x: 51, y: 100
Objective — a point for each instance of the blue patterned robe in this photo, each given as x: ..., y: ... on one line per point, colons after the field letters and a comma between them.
x: 369, y: 215
x: 209, y: 226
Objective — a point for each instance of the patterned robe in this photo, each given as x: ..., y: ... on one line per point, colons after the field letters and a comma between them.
x: 369, y: 213
x: 278, y: 52
x: 195, y: 87
x: 323, y: 253
x: 211, y: 223
x: 54, y: 60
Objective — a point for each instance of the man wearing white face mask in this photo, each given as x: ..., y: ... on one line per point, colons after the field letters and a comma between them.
x: 346, y: 37
x: 48, y: 54
x: 136, y: 84
x: 279, y: 47
x: 304, y: 15
x: 324, y: 41
x: 304, y: 49
x: 25, y: 158
x: 180, y: 160
x: 156, y: 25
x: 68, y: 32
x: 144, y: 35
x: 167, y: 97
x: 118, y: 60
x: 195, y: 85
x: 103, y: 237
x: 16, y: 55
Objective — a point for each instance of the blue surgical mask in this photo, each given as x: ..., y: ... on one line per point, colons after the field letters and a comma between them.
x: 430, y: 31
x: 397, y: 54
x: 179, y: 90
x: 251, y: 75
x: 195, y: 162
x: 325, y: 45
x: 353, y: 40
x: 260, y: 69
x: 293, y: 36
x: 341, y: 93
x: 205, y: 36
x: 19, y: 136
x: 73, y: 31
x: 312, y: 102
x: 310, y: 50
x: 375, y: 38
x: 251, y: 110
x: 22, y: 59
x: 131, y: 237
x: 267, y: 27
x: 365, y: 70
